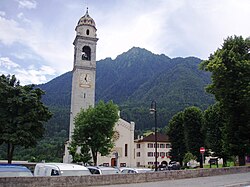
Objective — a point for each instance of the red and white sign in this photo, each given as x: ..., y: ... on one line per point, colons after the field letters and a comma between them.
x: 202, y: 150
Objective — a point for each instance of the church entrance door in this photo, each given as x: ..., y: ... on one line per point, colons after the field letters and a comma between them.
x: 113, y: 162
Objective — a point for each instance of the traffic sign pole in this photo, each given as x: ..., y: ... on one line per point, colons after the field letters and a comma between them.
x: 202, y: 151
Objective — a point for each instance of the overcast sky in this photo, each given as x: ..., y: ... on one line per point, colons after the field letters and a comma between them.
x: 36, y: 35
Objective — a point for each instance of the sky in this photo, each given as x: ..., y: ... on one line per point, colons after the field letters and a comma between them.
x: 36, y: 36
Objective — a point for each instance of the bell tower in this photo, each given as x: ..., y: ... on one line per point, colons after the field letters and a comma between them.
x: 84, y: 71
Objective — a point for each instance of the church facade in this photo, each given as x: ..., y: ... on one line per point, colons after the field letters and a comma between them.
x: 83, y: 96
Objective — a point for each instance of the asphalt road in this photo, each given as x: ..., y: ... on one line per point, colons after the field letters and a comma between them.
x: 232, y: 180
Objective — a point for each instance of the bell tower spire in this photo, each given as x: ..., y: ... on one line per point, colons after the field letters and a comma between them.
x: 84, y: 71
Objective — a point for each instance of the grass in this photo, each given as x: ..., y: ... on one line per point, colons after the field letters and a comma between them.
x: 229, y: 164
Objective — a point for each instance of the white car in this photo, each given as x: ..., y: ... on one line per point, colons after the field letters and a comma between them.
x: 135, y: 170
x: 60, y: 169
x: 103, y: 170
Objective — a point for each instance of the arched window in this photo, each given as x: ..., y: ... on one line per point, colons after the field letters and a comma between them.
x: 86, y: 53
x: 87, y: 31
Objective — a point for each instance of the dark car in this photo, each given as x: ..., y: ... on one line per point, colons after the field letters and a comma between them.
x: 173, y: 165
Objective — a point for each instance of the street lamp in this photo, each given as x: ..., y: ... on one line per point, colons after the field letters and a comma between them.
x: 153, y: 111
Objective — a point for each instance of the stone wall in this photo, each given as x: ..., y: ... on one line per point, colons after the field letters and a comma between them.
x: 116, y: 179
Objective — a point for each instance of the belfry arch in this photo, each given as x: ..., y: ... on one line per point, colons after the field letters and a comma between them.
x: 86, y: 53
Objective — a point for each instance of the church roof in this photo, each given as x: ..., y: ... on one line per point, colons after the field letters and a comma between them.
x: 151, y: 138
x: 86, y: 20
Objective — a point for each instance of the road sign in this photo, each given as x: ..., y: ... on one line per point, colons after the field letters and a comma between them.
x: 202, y: 150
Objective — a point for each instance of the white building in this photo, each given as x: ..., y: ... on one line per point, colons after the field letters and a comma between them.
x: 145, y: 150
x: 122, y: 154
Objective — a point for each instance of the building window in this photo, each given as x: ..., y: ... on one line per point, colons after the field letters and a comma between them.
x: 150, y: 145
x: 138, y: 146
x: 162, y: 154
x: 167, y: 154
x: 122, y: 164
x: 150, y: 154
x: 157, y: 163
x: 106, y: 164
x: 150, y: 163
x: 138, y: 164
x: 162, y: 145
x: 138, y: 154
x: 87, y: 31
x: 168, y: 145
x: 157, y: 145
x: 126, y: 149
x: 157, y: 154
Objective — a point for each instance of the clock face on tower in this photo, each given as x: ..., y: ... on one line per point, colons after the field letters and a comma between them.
x: 85, y: 80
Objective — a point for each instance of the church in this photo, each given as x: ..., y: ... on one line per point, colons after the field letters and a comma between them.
x: 83, y: 96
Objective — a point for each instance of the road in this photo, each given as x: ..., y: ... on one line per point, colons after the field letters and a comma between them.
x: 232, y: 180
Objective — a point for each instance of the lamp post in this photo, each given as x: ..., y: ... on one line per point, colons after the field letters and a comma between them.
x: 153, y: 111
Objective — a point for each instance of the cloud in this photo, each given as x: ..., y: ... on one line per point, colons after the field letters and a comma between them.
x: 175, y: 28
x: 2, y: 13
x: 29, y: 4
x: 23, y: 18
x: 49, y: 46
x: 5, y: 62
x: 26, y: 75
x: 10, y: 31
x: 34, y: 75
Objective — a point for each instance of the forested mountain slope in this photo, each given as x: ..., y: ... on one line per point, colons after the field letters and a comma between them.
x: 133, y: 80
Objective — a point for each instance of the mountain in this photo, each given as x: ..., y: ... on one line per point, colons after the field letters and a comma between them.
x: 132, y: 81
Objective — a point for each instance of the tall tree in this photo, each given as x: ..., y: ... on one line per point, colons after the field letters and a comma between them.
x: 175, y: 131
x: 193, y: 124
x: 230, y: 67
x: 214, y: 127
x: 94, y: 129
x: 21, y: 114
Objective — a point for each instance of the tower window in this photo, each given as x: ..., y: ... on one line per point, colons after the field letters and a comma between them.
x: 87, y: 31
x: 86, y: 53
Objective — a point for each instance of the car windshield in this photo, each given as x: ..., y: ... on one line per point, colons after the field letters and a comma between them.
x: 74, y: 172
x: 15, y: 174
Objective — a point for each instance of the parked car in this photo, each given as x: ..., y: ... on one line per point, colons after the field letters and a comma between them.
x: 60, y: 169
x: 163, y: 166
x: 173, y: 165
x: 12, y: 170
x: 135, y: 170
x: 103, y: 170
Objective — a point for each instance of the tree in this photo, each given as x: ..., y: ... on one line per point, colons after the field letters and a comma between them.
x: 80, y: 154
x: 94, y: 129
x: 230, y: 67
x: 21, y: 114
x: 194, y: 138
x: 188, y: 157
x: 175, y: 131
x: 214, y: 127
